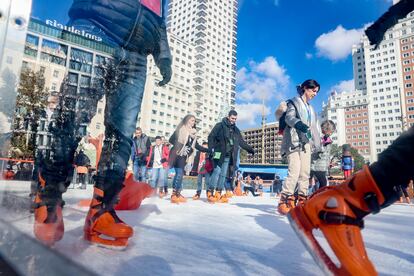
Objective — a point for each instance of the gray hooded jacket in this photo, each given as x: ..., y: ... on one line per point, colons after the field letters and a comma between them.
x: 292, y: 140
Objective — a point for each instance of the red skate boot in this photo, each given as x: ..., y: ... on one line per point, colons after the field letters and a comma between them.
x: 102, y: 222
x: 48, y: 223
x: 338, y: 211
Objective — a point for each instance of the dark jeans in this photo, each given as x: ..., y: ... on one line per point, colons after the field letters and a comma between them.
x: 122, y: 80
x: 403, y: 191
x: 251, y: 189
x: 321, y: 177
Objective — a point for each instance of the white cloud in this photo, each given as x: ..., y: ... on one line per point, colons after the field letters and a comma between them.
x: 337, y: 44
x: 259, y: 81
x: 346, y: 85
x: 265, y: 80
x: 247, y: 113
x: 308, y: 55
x: 4, y: 123
x: 271, y: 69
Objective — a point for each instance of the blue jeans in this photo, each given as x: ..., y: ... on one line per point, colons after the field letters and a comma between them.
x: 218, y: 177
x: 157, y: 177
x: 122, y: 81
x: 140, y: 171
x: 200, y: 177
x: 166, y: 170
x: 177, y: 183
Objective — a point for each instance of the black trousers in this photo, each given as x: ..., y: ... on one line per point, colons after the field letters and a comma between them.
x: 251, y: 189
x: 403, y: 191
x: 321, y: 177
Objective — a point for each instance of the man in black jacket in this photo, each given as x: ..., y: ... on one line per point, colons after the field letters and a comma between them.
x: 82, y: 163
x: 224, y: 141
x: 133, y: 29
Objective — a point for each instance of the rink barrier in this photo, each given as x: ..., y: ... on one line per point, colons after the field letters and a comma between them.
x: 27, y: 256
x: 23, y: 174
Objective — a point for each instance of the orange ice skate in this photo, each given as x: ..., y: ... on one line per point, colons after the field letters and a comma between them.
x: 286, y: 203
x: 338, y: 211
x: 103, y: 226
x: 48, y: 222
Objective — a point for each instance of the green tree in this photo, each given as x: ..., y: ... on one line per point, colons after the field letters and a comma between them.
x: 30, y: 103
x: 243, y: 156
x: 359, y: 160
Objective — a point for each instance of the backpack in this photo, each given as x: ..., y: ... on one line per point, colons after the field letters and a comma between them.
x: 280, y: 115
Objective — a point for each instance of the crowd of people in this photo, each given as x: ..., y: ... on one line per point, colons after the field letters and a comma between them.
x: 215, y: 161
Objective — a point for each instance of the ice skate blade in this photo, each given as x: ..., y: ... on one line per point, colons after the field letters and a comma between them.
x: 114, y: 244
x: 303, y: 229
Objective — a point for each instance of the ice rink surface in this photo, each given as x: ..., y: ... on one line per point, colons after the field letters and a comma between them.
x: 243, y: 237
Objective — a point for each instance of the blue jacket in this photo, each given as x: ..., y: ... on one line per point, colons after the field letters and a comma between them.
x: 347, y: 163
x: 123, y: 21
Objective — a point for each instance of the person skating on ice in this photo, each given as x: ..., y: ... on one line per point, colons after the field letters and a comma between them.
x: 224, y: 141
x: 301, y: 137
x: 184, y: 141
x: 134, y: 30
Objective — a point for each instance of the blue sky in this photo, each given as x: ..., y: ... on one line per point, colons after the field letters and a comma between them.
x: 284, y: 42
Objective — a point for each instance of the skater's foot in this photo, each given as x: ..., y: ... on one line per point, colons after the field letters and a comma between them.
x: 196, y: 196
x: 301, y: 199
x: 210, y: 197
x: 338, y: 211
x: 181, y: 198
x: 48, y: 222
x: 103, y: 226
x: 286, y: 203
x: 220, y: 198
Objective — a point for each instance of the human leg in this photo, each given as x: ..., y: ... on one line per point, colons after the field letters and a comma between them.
x: 338, y: 211
x: 287, y: 199
x: 124, y: 83
x: 321, y: 176
x: 199, y: 186
x: 156, y: 173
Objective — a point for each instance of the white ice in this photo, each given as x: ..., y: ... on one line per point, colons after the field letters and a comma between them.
x: 244, y: 237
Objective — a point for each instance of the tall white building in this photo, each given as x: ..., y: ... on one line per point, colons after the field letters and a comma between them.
x: 164, y: 107
x: 211, y: 27
x: 385, y: 74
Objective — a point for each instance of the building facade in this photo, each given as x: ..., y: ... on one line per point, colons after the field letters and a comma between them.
x: 385, y: 73
x: 349, y: 111
x: 271, y: 144
x: 211, y: 28
x: 70, y: 60
x: 164, y: 107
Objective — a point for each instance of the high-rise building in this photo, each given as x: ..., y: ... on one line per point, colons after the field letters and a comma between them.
x: 72, y: 58
x: 349, y: 111
x: 211, y: 28
x: 163, y: 107
x: 271, y: 144
x: 385, y: 73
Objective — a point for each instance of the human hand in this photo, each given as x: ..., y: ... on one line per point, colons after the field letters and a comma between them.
x: 165, y: 69
x: 301, y: 127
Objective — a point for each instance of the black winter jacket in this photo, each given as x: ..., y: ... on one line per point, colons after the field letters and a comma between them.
x: 124, y: 19
x: 219, y: 141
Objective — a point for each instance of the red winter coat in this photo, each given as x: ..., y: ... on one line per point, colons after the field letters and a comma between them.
x: 164, y: 157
